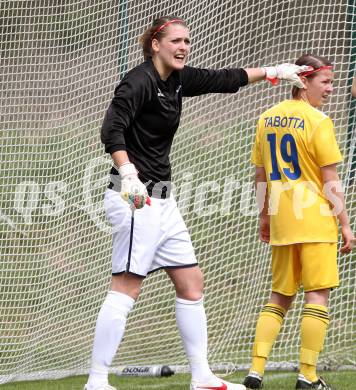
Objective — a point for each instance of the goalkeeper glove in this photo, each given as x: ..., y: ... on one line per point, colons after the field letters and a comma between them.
x: 287, y: 72
x: 133, y: 191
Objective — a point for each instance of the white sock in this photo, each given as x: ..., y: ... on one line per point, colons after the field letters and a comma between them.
x: 110, y: 327
x: 191, y: 321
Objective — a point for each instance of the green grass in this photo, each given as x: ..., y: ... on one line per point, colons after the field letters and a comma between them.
x: 273, y: 381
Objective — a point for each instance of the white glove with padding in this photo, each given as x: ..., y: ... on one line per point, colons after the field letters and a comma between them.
x: 288, y: 72
x: 133, y: 191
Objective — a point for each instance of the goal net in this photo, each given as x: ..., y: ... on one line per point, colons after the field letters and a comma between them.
x: 60, y: 62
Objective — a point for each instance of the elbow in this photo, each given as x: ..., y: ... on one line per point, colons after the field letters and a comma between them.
x: 112, y: 140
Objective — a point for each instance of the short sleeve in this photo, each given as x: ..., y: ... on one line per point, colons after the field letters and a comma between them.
x: 324, y: 147
x: 256, y: 155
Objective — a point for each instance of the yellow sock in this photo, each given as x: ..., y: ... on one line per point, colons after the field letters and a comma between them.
x: 315, y: 321
x: 268, y: 326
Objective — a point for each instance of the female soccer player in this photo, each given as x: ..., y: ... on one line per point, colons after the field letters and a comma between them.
x: 138, y: 131
x: 296, y: 153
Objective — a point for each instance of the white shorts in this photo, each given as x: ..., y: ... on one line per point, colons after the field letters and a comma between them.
x: 158, y: 237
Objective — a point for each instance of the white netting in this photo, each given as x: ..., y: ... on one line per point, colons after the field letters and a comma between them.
x: 60, y: 61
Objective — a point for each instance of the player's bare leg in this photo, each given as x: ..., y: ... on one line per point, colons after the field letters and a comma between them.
x: 319, y: 297
x: 110, y: 327
x: 188, y: 282
x: 284, y: 301
x: 191, y: 321
x: 127, y: 283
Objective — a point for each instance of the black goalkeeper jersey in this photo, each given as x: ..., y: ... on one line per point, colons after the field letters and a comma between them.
x: 145, y: 112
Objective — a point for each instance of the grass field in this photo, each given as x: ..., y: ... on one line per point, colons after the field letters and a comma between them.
x: 273, y: 381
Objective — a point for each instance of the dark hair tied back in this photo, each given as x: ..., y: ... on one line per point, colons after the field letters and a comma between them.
x: 310, y: 60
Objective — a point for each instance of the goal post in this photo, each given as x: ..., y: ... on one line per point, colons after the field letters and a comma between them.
x: 59, y: 66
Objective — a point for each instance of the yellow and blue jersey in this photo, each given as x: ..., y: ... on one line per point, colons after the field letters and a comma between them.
x: 293, y: 141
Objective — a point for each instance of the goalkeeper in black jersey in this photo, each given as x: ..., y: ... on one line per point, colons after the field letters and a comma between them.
x: 138, y: 131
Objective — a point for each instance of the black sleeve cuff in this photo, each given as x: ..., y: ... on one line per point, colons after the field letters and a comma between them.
x: 244, y: 77
x: 114, y: 148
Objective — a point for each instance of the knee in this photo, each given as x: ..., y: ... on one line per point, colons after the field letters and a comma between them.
x: 127, y: 284
x: 319, y: 297
x: 190, y: 295
x: 133, y: 292
x: 284, y: 301
x: 192, y: 287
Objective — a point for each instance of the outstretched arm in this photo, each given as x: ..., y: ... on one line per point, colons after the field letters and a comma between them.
x: 197, y: 81
x: 255, y: 74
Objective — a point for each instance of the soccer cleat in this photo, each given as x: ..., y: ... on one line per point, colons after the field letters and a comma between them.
x: 253, y: 381
x: 100, y: 387
x: 303, y: 383
x: 216, y: 384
